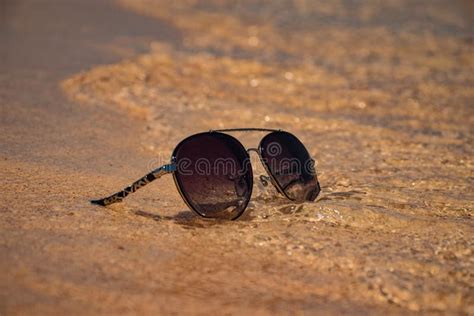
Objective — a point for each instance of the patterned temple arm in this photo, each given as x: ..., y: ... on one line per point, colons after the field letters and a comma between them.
x: 119, y: 196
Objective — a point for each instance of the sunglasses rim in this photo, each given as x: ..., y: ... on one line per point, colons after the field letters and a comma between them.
x: 274, y: 180
x: 179, y: 185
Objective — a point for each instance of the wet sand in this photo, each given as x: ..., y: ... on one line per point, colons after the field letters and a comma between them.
x: 94, y: 94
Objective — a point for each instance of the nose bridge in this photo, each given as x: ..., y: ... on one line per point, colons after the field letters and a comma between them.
x: 264, y: 179
x: 254, y: 150
x: 259, y: 160
x: 254, y: 161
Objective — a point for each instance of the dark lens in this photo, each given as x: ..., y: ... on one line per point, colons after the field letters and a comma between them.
x: 289, y: 162
x: 214, y: 174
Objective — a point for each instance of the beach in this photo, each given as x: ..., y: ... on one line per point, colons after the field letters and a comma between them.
x: 95, y: 94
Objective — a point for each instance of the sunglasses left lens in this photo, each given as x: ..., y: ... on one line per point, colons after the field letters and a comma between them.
x: 214, y: 174
x: 290, y: 164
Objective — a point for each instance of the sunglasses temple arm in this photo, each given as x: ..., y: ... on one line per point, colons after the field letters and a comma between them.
x: 119, y: 196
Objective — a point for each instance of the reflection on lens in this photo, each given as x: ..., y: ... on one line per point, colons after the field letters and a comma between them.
x: 214, y: 174
x: 289, y: 162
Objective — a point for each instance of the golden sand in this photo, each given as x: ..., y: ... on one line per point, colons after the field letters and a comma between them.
x: 381, y: 94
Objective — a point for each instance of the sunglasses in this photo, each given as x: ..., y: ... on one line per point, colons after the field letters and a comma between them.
x: 213, y: 173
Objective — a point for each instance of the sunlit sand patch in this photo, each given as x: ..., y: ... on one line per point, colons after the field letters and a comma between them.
x: 385, y: 106
x: 345, y: 96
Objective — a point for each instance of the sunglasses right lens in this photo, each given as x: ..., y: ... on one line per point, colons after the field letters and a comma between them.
x: 214, y: 174
x: 290, y: 164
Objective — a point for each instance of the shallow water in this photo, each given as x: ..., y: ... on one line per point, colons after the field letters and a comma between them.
x: 382, y: 96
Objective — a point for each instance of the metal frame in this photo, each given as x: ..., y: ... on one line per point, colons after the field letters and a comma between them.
x: 171, y: 168
x: 251, y: 129
x: 259, y: 151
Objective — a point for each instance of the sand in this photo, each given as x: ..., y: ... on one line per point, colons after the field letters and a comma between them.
x: 95, y: 94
